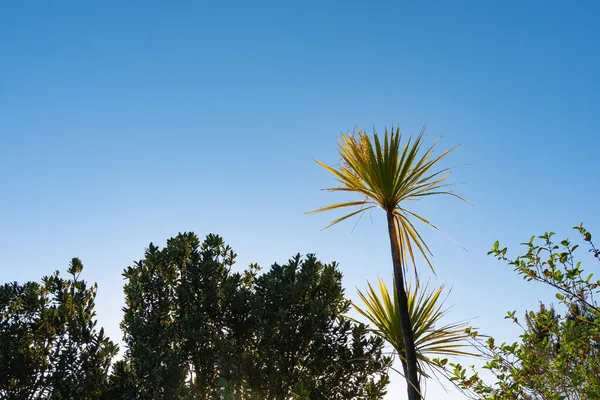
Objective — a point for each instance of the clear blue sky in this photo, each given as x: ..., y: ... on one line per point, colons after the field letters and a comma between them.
x: 123, y: 123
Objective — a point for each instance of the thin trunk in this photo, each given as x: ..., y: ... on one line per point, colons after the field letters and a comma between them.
x: 403, y: 365
x: 200, y: 387
x: 412, y: 375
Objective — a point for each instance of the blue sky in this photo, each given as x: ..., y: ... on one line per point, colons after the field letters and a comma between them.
x: 122, y: 124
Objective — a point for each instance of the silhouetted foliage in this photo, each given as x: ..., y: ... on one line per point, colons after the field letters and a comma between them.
x: 302, y: 342
x: 49, y: 345
x: 193, y: 329
x: 191, y: 324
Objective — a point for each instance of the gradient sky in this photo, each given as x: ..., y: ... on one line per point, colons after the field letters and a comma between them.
x: 123, y: 123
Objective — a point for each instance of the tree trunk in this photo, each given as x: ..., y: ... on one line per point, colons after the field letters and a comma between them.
x: 200, y: 387
x: 412, y: 375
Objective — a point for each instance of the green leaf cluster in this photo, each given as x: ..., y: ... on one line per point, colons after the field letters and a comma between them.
x: 558, y: 353
x: 195, y: 329
x: 50, y: 347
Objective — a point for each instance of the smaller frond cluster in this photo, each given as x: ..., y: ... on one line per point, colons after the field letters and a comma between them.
x: 426, y: 309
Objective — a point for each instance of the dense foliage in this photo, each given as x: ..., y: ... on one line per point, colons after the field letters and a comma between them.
x: 191, y: 324
x: 196, y: 329
x: 193, y: 329
x: 558, y: 354
x: 49, y: 345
